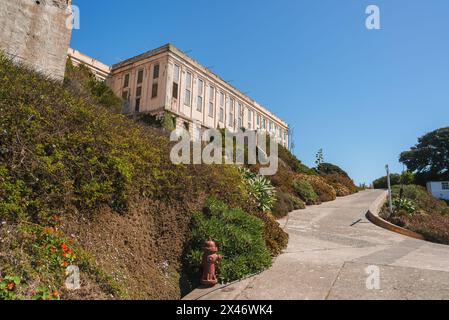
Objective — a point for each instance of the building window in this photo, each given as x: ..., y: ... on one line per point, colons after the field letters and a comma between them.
x: 154, y: 90
x: 126, y: 81
x: 258, y: 121
x: 125, y: 95
x: 199, y: 101
x: 212, y: 94
x: 140, y: 77
x: 138, y: 92
x: 187, y: 98
x: 137, y: 104
x: 445, y: 185
x: 264, y: 123
x: 211, y: 109
x: 188, y: 93
x: 222, y: 99
x: 156, y: 71
x: 175, y: 90
x: 199, y: 104
x: 250, y: 119
x: 231, y: 119
x: 176, y: 73
x: 211, y: 101
x: 221, y: 115
x: 240, y: 122
x: 200, y: 87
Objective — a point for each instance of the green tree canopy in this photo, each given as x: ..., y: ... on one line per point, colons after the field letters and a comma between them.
x: 429, y: 159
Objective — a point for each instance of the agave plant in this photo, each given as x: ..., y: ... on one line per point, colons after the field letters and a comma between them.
x: 405, y: 204
x: 260, y: 188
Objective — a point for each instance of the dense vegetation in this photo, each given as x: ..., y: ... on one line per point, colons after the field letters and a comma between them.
x: 68, y: 164
x: 298, y: 185
x: 240, y: 237
x: 429, y: 159
x: 418, y: 211
x: 414, y: 207
x: 82, y: 184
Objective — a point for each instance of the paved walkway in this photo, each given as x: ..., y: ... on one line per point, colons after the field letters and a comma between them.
x: 330, y: 248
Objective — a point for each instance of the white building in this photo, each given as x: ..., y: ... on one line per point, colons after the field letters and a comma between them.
x: 439, y: 189
x: 167, y: 80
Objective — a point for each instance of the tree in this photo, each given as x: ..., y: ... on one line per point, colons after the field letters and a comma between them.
x: 319, y: 158
x: 382, y: 183
x: 429, y: 159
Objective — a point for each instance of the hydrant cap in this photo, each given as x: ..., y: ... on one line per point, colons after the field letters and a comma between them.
x: 210, y: 246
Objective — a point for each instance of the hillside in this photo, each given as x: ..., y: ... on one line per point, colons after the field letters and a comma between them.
x: 81, y: 184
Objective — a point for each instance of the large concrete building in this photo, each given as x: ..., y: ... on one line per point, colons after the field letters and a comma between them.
x: 36, y: 33
x: 167, y: 80
x: 99, y: 69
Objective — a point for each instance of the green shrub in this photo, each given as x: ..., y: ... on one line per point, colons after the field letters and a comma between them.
x: 407, y: 178
x: 260, y: 188
x: 64, y: 155
x: 421, y: 198
x: 82, y: 81
x: 286, y: 203
x: 305, y: 191
x: 296, y: 165
x: 329, y: 168
x: 404, y: 204
x: 342, y: 184
x: 381, y: 183
x: 239, y: 237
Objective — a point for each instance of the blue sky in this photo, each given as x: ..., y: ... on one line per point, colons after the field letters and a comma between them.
x: 362, y: 95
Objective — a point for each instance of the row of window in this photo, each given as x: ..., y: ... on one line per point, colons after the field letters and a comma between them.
x: 261, y: 121
x: 139, y: 83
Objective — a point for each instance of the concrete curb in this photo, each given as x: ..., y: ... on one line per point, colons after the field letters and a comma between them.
x: 373, y: 216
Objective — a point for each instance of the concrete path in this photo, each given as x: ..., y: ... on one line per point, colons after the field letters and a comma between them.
x: 331, y: 246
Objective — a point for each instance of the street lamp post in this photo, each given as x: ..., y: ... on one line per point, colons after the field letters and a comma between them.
x: 390, y: 200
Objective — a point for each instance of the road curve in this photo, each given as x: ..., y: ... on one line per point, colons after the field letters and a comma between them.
x: 332, y: 252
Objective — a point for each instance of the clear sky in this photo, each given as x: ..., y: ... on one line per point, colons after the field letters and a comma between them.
x: 362, y: 95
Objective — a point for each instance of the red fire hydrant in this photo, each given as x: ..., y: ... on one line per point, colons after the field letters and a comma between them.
x: 210, y: 258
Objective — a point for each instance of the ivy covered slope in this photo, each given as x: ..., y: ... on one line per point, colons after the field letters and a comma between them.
x: 80, y: 184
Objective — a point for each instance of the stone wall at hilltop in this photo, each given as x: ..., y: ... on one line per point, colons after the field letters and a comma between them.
x: 35, y: 32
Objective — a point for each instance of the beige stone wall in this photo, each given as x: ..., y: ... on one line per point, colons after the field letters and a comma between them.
x: 148, y: 103
x: 35, y: 33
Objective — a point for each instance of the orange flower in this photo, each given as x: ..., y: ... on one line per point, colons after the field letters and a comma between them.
x: 64, y: 264
x: 10, y: 286
x: 55, y: 294
x: 64, y: 247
